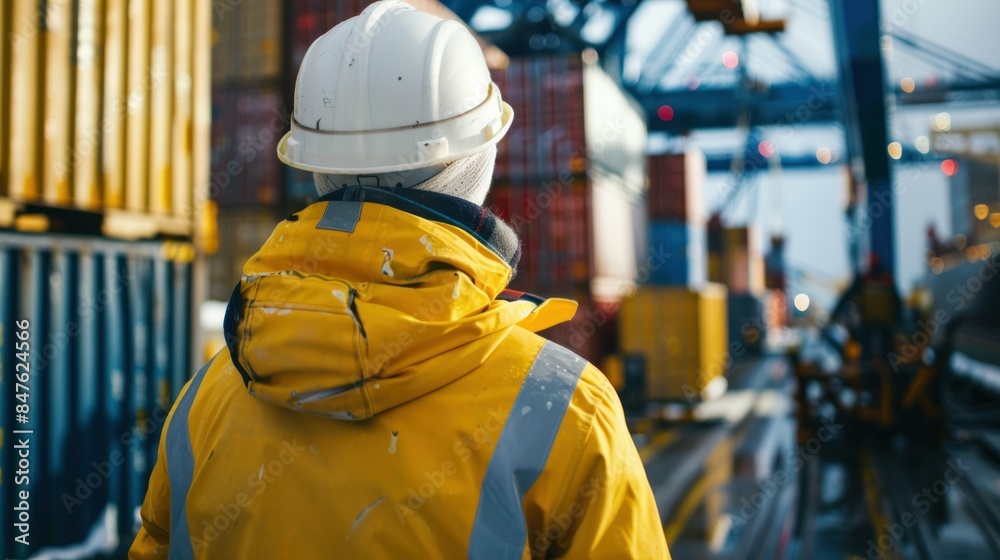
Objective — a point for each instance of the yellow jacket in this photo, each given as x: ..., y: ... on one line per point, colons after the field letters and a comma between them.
x: 384, y: 403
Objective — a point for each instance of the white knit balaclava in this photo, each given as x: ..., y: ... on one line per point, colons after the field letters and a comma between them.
x: 468, y: 178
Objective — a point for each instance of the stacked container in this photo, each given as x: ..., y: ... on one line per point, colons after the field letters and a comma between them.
x: 569, y: 178
x: 249, y: 112
x: 735, y: 260
x: 676, y: 220
x: 104, y: 180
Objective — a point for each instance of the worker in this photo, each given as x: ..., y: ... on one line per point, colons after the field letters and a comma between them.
x: 381, y: 395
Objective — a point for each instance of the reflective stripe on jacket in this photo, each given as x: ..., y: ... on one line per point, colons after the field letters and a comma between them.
x: 377, y: 415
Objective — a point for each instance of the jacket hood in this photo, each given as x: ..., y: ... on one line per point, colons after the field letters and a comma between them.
x: 362, y: 303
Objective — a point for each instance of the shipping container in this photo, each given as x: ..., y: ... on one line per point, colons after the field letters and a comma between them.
x: 5, y: 45
x: 747, y: 322
x: 676, y: 185
x: 740, y: 265
x: 774, y: 265
x: 242, y: 232
x: 563, y: 242
x: 109, y: 107
x: 570, y: 117
x: 247, y: 124
x: 776, y: 310
x: 85, y: 155
x: 249, y: 49
x: 682, y: 334
x: 25, y: 167
x: 109, y: 332
x: 683, y: 246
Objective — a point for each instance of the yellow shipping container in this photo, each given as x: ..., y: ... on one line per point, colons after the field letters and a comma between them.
x: 24, y: 170
x: 683, y: 335
x: 109, y: 103
x: 5, y: 9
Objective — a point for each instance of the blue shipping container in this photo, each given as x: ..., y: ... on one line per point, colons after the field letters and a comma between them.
x: 108, y: 329
x: 683, y: 248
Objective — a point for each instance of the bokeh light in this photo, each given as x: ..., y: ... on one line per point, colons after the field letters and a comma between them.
x: 765, y: 148
x: 922, y: 144
x: 941, y: 122
x: 824, y: 155
x: 895, y: 150
x: 730, y: 59
x: 665, y: 112
x: 949, y: 167
x: 981, y: 211
x: 907, y: 84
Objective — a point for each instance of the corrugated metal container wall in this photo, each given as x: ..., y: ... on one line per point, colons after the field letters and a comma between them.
x: 569, y: 118
x: 614, y: 128
x: 683, y: 246
x: 242, y: 232
x: 252, y: 49
x: 246, y: 127
x: 108, y: 349
x: 564, y: 243
x: 121, y: 133
x: 676, y: 185
x: 5, y: 46
x: 547, y: 136
x: 554, y: 223
x: 683, y: 336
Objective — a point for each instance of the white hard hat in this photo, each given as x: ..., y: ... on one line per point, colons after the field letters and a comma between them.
x: 392, y: 89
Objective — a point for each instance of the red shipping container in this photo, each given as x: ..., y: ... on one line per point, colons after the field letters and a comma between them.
x: 546, y: 138
x: 245, y: 133
x: 676, y: 182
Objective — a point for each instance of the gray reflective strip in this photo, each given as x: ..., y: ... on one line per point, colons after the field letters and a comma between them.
x: 340, y: 216
x: 522, y: 451
x: 180, y: 470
